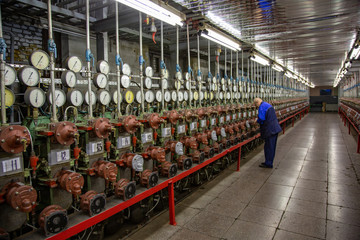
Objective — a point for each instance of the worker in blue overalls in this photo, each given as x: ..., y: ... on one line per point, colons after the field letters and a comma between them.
x: 269, y: 129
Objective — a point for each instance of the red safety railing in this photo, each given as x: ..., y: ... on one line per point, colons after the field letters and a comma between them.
x: 346, y: 119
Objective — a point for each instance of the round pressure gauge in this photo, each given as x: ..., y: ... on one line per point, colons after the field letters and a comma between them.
x: 35, y: 97
x: 29, y: 76
x: 167, y: 96
x: 235, y: 88
x: 217, y: 95
x: 115, y: 97
x: 178, y: 76
x: 126, y: 69
x: 164, y: 73
x: 213, y: 135
x: 186, y: 96
x: 223, y: 87
x: 215, y: 87
x: 68, y: 79
x: 228, y: 95
x: 93, y: 98
x: 104, y: 97
x: 206, y: 95
x: 137, y: 163
x: 60, y: 98
x: 173, y: 96
x: 102, y: 66
x: 149, y: 72
x: 9, y: 98
x: 187, y: 85
x: 222, y: 132
x: 40, y: 59
x: 138, y: 97
x: 187, y: 76
x: 148, y: 83
x: 125, y: 81
x: 74, y: 63
x: 129, y: 97
x: 221, y: 95
x: 179, y: 148
x: 196, y: 96
x: 10, y: 75
x: 180, y: 96
x: 201, y: 95
x: 229, y: 82
x: 211, y: 96
x: 222, y: 81
x: 100, y: 80
x: 149, y: 96
x: 177, y: 84
x: 158, y: 96
x: 214, y: 79
x: 75, y: 97
x: 164, y: 83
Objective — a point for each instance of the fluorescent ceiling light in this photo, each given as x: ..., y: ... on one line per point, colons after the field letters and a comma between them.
x: 277, y: 67
x: 220, y: 39
x: 347, y: 64
x: 223, y: 24
x: 154, y: 10
x: 288, y: 74
x: 355, y: 53
x: 261, y: 60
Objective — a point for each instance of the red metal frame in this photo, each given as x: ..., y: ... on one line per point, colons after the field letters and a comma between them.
x: 169, y: 183
x: 344, y: 117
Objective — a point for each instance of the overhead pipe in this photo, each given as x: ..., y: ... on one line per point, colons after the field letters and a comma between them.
x: 237, y: 73
x: 225, y: 74
x: 199, y: 69
x: 117, y: 59
x: 231, y: 76
x: 141, y: 62
x: 52, y: 51
x: 2, y: 70
x: 162, y: 64
x: 177, y: 63
x: 88, y: 57
x: 189, y: 65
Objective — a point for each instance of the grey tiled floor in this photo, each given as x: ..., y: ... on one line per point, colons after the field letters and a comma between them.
x: 312, y: 193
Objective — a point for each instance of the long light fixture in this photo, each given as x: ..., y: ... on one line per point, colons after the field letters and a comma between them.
x: 259, y: 59
x: 355, y: 53
x: 220, y: 39
x: 223, y: 24
x: 277, y: 67
x: 289, y: 74
x: 154, y: 10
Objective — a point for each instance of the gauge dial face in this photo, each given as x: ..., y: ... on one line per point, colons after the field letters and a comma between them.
x: 125, y: 81
x: 69, y: 79
x: 29, y: 76
x: 10, y: 75
x: 74, y: 64
x: 235, y: 88
x: 93, y: 98
x: 115, y: 97
x: 138, y: 97
x: 102, y: 66
x: 214, y: 79
x: 148, y: 83
x: 75, y: 97
x: 223, y: 87
x: 149, y: 72
x: 211, y: 96
x: 187, y: 85
x: 228, y: 95
x: 9, y: 98
x: 181, y: 96
x: 35, y: 97
x: 201, y: 95
x: 186, y: 96
x: 100, y: 80
x: 221, y: 95
x: 149, y: 96
x: 173, y: 96
x: 104, y: 97
x: 177, y: 84
x: 40, y: 59
x: 206, y: 95
x: 158, y: 96
x: 178, y: 76
x: 222, y: 81
x: 229, y: 82
x: 196, y: 96
x: 187, y: 76
x: 164, y: 83
x: 167, y: 96
x: 164, y: 73
x: 126, y: 69
x: 60, y: 98
x: 217, y: 95
x: 129, y: 97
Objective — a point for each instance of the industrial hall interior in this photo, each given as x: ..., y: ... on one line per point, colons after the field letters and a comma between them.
x: 180, y: 119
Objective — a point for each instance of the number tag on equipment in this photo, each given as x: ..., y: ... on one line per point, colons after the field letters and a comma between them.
x: 181, y: 129
x: 146, y: 137
x: 227, y: 118
x: 193, y: 126
x: 234, y: 116
x: 244, y: 114
x: 203, y: 123
x: 239, y: 115
x: 123, y: 142
x: 213, y: 121
x: 95, y: 147
x: 62, y: 156
x: 221, y: 119
x: 166, y: 132
x: 11, y: 165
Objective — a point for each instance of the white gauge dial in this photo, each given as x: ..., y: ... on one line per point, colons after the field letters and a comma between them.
x: 206, y: 95
x: 138, y: 97
x: 125, y: 81
x: 177, y: 84
x: 187, y: 85
x: 222, y: 132
x: 158, y: 96
x: 179, y: 148
x: 100, y: 80
x: 164, y: 83
x: 115, y: 97
x: 148, y: 83
x: 221, y: 95
x: 235, y: 88
x: 201, y: 95
x: 173, y: 96
x: 126, y: 69
x: 222, y: 81
x: 29, y: 76
x: 40, y: 59
x: 35, y: 97
x: 75, y: 97
x: 10, y: 75
x: 223, y: 87
x: 214, y: 79
x: 186, y: 96
x: 181, y: 96
x: 228, y: 95
x: 149, y: 72
x: 211, y: 96
x: 93, y: 98
x: 102, y: 66
x: 167, y: 96
x: 68, y: 79
x: 104, y: 97
x: 229, y: 82
x: 178, y: 76
x: 217, y: 95
x: 74, y: 63
x: 60, y: 98
x: 164, y: 73
x: 149, y: 96
x: 187, y: 76
x: 196, y: 96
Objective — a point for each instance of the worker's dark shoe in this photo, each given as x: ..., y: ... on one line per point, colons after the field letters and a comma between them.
x: 263, y: 165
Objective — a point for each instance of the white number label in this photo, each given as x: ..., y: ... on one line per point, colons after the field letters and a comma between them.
x: 146, y: 137
x: 203, y: 123
x: 11, y: 165
x: 181, y: 129
x: 213, y: 121
x: 234, y: 116
x: 221, y: 119
x: 123, y: 142
x: 244, y: 114
x: 227, y: 118
x: 193, y: 126
x: 62, y: 156
x: 239, y: 115
x: 97, y: 147
x: 166, y: 132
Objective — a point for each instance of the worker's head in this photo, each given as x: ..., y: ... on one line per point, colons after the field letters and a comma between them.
x: 257, y: 102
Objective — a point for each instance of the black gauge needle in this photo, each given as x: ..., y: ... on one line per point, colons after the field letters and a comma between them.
x: 36, y: 98
x: 57, y: 97
x: 39, y: 60
x: 70, y: 78
x: 76, y: 98
x: 74, y: 64
x: 30, y: 76
x: 6, y: 72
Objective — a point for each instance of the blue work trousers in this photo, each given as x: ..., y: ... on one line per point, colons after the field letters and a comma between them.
x: 269, y: 149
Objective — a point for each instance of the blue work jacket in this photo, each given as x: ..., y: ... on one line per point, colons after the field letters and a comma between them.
x: 269, y: 124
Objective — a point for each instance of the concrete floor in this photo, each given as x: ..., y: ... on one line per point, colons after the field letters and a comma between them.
x: 313, y: 192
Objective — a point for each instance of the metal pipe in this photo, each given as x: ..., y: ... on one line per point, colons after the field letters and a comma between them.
x: 88, y: 58
x: 209, y: 62
x: 237, y: 73
x: 242, y: 63
x: 199, y: 68
x: 189, y: 66
x: 231, y: 76
x: 117, y: 58
x: 2, y: 75
x: 225, y: 75
x: 177, y: 62
x: 141, y: 65
x: 162, y: 60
